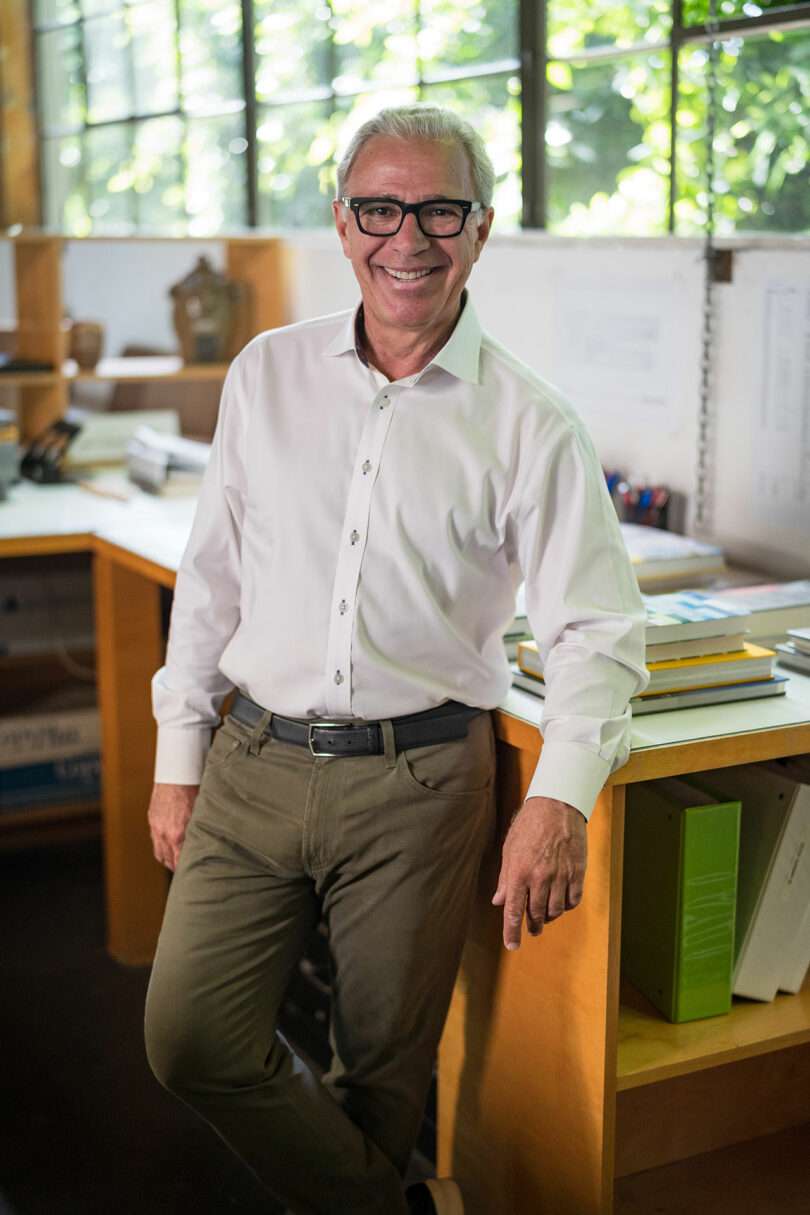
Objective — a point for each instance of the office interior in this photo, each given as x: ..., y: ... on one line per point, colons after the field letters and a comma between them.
x: 666, y: 293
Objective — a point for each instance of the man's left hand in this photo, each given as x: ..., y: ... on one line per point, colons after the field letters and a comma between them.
x: 542, y: 866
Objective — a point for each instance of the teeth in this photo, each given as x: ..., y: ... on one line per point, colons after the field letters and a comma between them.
x: 406, y: 275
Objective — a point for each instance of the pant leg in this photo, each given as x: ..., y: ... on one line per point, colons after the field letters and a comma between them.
x: 240, y: 908
x: 397, y: 903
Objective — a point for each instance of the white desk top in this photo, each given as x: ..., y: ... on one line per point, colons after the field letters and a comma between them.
x: 153, y: 527
x: 157, y: 529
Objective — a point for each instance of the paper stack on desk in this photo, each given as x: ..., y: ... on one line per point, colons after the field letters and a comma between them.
x: 664, y: 560
x: 166, y: 464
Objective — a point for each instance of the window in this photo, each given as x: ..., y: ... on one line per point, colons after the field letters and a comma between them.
x: 626, y: 82
x: 146, y: 122
x: 193, y: 116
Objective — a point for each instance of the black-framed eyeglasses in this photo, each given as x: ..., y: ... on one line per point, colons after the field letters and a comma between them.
x: 436, y: 217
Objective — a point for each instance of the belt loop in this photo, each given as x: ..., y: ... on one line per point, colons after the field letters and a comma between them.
x: 389, y: 743
x: 256, y: 739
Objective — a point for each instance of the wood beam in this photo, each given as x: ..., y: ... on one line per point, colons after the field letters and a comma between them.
x: 19, y: 170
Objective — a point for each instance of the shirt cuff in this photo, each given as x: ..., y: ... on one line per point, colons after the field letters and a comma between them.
x: 569, y: 773
x: 181, y: 753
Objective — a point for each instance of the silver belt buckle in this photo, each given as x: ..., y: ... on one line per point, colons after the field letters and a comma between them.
x: 316, y: 725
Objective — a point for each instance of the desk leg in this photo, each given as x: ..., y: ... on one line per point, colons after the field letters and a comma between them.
x: 130, y: 649
x: 527, y: 1063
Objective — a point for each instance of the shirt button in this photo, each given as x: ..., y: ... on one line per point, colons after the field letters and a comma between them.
x: 384, y: 403
x: 343, y: 607
x: 366, y: 467
x: 354, y: 537
x: 338, y: 677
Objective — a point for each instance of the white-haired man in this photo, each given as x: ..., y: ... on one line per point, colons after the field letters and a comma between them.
x: 380, y: 483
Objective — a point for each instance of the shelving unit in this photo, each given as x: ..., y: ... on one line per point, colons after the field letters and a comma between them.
x: 259, y: 262
x: 561, y: 1088
x: 43, y: 396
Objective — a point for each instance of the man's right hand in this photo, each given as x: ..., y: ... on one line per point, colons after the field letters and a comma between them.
x: 169, y: 811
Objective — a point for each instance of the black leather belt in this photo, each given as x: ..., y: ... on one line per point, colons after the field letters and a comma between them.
x: 324, y: 737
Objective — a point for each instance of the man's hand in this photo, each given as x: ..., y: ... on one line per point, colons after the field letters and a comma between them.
x: 169, y: 811
x: 542, y: 866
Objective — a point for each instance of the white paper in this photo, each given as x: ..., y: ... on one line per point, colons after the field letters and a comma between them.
x: 615, y: 347
x: 781, y: 432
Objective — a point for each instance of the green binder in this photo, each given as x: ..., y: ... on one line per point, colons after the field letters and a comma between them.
x: 680, y: 891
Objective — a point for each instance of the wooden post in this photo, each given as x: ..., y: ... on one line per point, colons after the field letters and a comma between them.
x: 130, y: 649
x: 264, y: 266
x: 38, y: 274
x: 19, y: 174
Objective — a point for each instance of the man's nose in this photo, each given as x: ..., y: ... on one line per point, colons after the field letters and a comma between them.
x: 410, y: 236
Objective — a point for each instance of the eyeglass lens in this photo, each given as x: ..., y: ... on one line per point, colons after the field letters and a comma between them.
x: 382, y: 218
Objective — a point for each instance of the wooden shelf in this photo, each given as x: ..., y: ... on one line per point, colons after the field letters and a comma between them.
x: 36, y: 825
x: 758, y: 1177
x: 651, y: 1049
x: 137, y: 370
x: 260, y: 262
x: 29, y: 379
x: 132, y: 370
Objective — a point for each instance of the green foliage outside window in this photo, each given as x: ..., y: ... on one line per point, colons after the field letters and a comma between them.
x: 145, y: 125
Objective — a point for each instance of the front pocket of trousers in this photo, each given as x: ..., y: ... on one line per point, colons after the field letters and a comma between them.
x: 450, y: 770
x: 224, y: 748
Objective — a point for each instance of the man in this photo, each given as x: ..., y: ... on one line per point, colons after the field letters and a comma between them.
x: 379, y: 484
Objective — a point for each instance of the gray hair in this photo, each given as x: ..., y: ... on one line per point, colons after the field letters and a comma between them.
x: 424, y: 122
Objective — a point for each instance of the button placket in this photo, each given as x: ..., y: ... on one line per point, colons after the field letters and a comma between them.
x: 350, y: 557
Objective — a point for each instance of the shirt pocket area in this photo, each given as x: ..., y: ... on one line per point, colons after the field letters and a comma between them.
x: 462, y: 768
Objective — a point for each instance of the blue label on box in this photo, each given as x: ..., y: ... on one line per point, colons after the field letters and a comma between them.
x: 58, y: 780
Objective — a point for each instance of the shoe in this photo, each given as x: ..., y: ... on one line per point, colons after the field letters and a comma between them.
x: 439, y: 1196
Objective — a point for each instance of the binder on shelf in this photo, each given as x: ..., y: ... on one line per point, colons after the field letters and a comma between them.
x: 680, y: 893
x: 773, y: 901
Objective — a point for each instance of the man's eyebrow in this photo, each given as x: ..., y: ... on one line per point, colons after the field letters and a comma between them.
x: 430, y: 198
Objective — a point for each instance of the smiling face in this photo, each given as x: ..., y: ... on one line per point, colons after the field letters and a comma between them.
x: 411, y: 283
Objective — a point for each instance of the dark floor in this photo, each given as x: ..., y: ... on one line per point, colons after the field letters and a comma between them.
x: 84, y: 1127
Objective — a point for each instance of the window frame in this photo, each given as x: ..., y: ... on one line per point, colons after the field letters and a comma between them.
x: 534, y: 59
x: 530, y: 66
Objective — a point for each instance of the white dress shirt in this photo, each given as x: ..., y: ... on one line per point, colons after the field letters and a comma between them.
x: 358, y: 543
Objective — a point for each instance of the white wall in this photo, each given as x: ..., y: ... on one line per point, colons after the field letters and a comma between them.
x: 618, y: 326
x: 615, y: 323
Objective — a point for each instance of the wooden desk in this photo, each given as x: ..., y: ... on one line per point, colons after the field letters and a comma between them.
x: 549, y: 1084
x: 552, y: 1081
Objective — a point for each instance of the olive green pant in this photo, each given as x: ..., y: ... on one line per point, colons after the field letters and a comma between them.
x: 386, y: 848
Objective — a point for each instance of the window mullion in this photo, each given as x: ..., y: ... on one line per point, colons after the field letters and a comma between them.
x: 249, y: 89
x: 533, y: 110
x: 181, y: 107
x: 85, y: 122
x: 675, y: 41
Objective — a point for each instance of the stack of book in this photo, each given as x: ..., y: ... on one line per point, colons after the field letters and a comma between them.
x: 717, y: 888
x: 795, y: 652
x: 166, y: 464
x: 664, y: 560
x: 696, y: 655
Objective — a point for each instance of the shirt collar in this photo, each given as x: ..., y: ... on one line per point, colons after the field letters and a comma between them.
x: 459, y: 356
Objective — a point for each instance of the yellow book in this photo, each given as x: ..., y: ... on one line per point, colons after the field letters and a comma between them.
x: 751, y: 663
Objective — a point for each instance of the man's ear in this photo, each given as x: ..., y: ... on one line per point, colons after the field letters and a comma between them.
x: 342, y: 216
x: 483, y: 230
